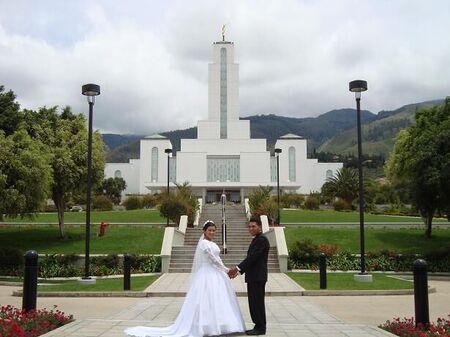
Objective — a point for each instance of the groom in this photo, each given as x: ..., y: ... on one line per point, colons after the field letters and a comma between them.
x: 255, y: 268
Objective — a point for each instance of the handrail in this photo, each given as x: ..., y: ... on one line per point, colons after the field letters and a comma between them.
x: 223, y: 199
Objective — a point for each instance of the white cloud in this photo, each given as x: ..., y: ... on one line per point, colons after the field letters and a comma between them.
x: 150, y: 58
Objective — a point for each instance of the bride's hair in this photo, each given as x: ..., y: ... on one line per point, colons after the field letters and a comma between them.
x: 207, y: 224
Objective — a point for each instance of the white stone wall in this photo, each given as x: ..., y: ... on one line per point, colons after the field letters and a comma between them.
x: 192, y: 167
x: 255, y: 167
x: 146, y: 162
x: 310, y: 174
x: 223, y: 146
x: 128, y: 171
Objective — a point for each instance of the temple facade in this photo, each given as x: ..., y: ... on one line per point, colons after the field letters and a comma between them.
x: 223, y: 158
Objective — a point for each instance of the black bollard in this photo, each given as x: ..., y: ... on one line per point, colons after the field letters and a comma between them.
x: 30, y: 281
x: 421, y: 293
x: 126, y: 272
x: 323, y: 270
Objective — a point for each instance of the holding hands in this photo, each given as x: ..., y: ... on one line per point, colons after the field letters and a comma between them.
x: 233, y: 272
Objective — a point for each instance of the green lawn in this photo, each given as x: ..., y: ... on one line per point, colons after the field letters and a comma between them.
x: 138, y: 283
x: 118, y: 240
x: 134, y: 216
x: 302, y: 215
x: 152, y: 216
x: 401, y: 240
x: 148, y: 240
x: 344, y: 281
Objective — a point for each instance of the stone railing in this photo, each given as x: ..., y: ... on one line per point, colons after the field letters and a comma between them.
x: 199, y: 212
x: 248, y: 212
x: 173, y: 237
x: 276, y: 239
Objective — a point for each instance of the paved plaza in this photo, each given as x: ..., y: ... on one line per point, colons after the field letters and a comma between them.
x: 286, y: 315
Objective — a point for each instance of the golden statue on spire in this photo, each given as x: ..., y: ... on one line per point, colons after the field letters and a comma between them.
x: 223, y: 32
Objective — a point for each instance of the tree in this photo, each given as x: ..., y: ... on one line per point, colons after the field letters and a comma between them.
x: 183, y: 202
x: 112, y: 188
x: 420, y: 162
x: 65, y: 135
x: 10, y: 116
x: 261, y: 203
x: 25, y: 174
x: 343, y: 185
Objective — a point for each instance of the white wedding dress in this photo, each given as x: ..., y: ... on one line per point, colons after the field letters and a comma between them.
x: 210, y: 307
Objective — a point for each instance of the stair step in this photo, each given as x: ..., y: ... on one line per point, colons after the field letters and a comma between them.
x: 238, y: 239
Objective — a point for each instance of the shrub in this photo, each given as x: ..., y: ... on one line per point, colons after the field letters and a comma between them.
x: 173, y: 208
x: 11, y: 261
x: 305, y: 253
x: 261, y: 203
x: 133, y: 202
x: 328, y: 250
x: 54, y: 265
x: 341, y: 205
x: 69, y: 266
x: 50, y: 208
x: 102, y: 203
x: 145, y: 263
x: 149, y: 201
x: 16, y: 322
x: 10, y: 256
x: 183, y: 202
x: 311, y: 203
x: 289, y: 200
x: 110, y: 261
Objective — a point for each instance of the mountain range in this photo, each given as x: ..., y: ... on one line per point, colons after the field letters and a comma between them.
x: 333, y: 131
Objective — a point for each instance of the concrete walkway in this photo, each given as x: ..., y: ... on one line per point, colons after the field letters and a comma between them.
x: 177, y: 284
x: 287, y: 315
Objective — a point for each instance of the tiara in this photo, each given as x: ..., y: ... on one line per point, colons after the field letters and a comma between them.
x: 208, y: 221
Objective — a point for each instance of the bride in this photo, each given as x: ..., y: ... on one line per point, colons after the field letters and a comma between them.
x: 211, y: 307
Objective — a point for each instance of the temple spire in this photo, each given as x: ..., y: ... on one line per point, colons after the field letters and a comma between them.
x: 223, y: 32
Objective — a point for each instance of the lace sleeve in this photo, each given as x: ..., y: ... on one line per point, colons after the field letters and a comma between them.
x: 215, y: 260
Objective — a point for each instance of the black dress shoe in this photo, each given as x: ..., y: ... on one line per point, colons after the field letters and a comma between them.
x: 254, y: 332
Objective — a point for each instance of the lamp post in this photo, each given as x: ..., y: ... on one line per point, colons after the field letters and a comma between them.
x: 168, y: 151
x: 90, y: 90
x: 357, y: 87
x: 277, y: 152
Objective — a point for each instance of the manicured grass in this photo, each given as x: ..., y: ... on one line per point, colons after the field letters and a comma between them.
x: 153, y: 216
x: 138, y: 283
x: 148, y: 240
x: 134, y: 216
x: 118, y: 240
x: 400, y: 240
x: 303, y: 215
x: 11, y: 279
x: 344, y: 281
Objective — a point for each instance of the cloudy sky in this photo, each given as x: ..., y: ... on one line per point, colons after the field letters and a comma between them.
x: 150, y: 57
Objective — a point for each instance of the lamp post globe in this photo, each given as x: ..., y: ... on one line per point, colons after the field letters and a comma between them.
x: 277, y: 152
x: 90, y: 91
x: 168, y: 151
x: 358, y: 86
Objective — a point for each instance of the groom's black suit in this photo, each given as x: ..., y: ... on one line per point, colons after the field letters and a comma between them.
x: 255, y: 268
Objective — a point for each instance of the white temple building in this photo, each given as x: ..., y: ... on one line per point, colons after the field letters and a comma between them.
x: 223, y: 158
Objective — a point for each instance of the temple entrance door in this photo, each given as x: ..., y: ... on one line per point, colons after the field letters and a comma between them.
x: 213, y: 196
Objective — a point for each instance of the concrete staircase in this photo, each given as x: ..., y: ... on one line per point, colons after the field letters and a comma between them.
x: 238, y: 239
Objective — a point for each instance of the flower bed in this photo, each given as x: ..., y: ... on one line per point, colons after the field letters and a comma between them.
x: 18, y: 323
x: 305, y: 255
x: 56, y: 265
x: 406, y: 328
